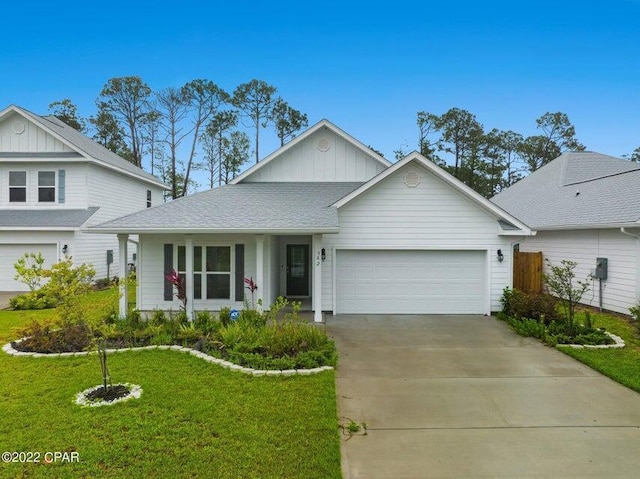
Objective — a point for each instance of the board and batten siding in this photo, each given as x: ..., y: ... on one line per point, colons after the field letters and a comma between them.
x: 430, y: 216
x: 150, y: 294
x: 620, y: 290
x: 305, y: 161
x: 17, y: 134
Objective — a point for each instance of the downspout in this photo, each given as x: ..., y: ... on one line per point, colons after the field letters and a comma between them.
x: 624, y: 231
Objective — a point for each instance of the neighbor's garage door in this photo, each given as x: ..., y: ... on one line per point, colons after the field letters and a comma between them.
x: 411, y: 282
x: 10, y: 253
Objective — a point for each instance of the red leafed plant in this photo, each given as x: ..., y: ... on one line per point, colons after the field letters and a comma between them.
x: 251, y: 286
x: 178, y: 282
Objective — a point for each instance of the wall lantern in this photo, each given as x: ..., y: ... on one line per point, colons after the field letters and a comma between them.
x: 323, y: 254
x: 500, y: 256
x: 65, y: 248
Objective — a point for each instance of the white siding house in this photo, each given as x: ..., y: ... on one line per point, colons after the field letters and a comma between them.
x: 54, y: 182
x: 327, y: 220
x: 585, y: 206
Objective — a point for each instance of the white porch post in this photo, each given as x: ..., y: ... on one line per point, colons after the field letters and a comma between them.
x: 316, y: 297
x: 188, y: 283
x: 260, y: 271
x: 122, y: 274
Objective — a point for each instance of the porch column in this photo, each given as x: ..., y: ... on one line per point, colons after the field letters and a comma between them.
x: 316, y: 258
x: 260, y: 271
x: 123, y: 239
x: 188, y: 283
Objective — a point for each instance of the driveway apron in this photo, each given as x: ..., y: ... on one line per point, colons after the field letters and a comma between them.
x: 463, y: 396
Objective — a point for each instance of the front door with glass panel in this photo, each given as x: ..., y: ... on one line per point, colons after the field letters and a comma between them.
x: 297, y: 270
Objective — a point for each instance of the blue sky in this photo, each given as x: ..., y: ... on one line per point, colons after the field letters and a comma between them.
x: 366, y: 66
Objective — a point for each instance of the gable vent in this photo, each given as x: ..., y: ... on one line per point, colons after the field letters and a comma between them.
x: 323, y: 144
x: 18, y: 127
x: 412, y: 179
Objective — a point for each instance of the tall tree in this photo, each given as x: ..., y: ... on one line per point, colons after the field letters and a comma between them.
x: 109, y: 133
x: 236, y: 154
x: 286, y: 120
x: 172, y: 106
x: 216, y: 141
x: 127, y: 99
x: 559, y: 136
x: 255, y: 100
x: 428, y: 125
x: 501, y: 151
x: 204, y: 98
x: 460, y: 131
x: 635, y: 155
x: 66, y: 111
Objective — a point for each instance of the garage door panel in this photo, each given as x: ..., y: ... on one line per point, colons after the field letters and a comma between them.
x: 411, y: 282
x: 10, y: 253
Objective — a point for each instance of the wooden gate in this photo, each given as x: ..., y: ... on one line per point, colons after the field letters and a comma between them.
x: 527, y: 272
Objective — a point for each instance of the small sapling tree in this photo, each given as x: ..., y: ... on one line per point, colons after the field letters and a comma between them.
x: 561, y: 282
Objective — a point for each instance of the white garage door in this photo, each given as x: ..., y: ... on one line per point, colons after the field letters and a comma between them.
x: 411, y: 282
x: 10, y: 253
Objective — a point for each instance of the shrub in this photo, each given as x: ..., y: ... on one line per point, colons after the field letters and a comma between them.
x: 67, y: 284
x: 207, y: 323
x: 32, y: 300
x: 42, y: 337
x: 30, y: 270
x: 562, y: 283
x: 541, y: 307
x: 225, y: 316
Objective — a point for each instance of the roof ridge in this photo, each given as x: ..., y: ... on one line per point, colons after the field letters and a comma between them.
x: 602, y: 177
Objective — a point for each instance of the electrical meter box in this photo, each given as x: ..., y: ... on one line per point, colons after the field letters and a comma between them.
x: 601, y: 268
x: 109, y: 256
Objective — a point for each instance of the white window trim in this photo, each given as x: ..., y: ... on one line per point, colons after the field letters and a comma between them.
x: 26, y: 187
x: 55, y: 187
x: 203, y: 272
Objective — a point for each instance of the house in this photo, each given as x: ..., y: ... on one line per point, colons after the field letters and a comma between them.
x: 54, y: 182
x: 327, y: 220
x: 585, y: 206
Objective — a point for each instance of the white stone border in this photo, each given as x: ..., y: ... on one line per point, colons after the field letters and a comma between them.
x: 619, y: 343
x: 7, y: 348
x: 135, y: 391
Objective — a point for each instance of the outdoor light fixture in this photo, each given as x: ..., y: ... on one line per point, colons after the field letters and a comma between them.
x: 500, y: 256
x: 323, y: 254
x: 65, y: 248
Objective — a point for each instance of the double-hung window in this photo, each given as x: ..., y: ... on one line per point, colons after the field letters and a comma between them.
x: 211, y: 271
x: 46, y: 186
x: 17, y: 186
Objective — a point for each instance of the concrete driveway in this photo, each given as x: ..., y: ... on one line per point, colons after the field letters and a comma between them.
x: 463, y: 396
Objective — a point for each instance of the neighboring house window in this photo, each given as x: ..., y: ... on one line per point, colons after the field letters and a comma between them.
x: 17, y: 186
x: 211, y: 271
x: 148, y: 198
x: 46, y: 186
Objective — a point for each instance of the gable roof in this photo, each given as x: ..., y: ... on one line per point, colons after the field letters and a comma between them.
x: 577, y: 190
x: 243, y: 208
x: 48, y: 219
x: 508, y: 223
x: 83, y: 144
x: 318, y: 126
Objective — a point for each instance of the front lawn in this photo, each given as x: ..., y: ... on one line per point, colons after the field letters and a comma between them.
x: 621, y: 365
x: 194, y: 419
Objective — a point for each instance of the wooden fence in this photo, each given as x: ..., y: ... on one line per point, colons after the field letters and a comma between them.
x: 527, y: 272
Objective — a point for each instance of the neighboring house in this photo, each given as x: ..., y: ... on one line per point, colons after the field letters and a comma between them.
x: 327, y: 220
x: 54, y: 181
x: 585, y: 206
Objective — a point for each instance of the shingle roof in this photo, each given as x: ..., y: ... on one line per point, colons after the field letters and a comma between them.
x: 576, y: 190
x: 243, y: 207
x: 87, y: 145
x: 52, y: 218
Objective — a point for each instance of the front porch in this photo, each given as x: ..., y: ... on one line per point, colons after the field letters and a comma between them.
x: 214, y: 266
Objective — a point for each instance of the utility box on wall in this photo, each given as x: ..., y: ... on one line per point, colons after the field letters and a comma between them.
x: 601, y: 268
x: 109, y: 256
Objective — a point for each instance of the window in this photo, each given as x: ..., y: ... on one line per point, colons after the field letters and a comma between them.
x: 211, y: 270
x: 46, y: 186
x: 148, y: 198
x: 17, y: 186
x: 218, y: 267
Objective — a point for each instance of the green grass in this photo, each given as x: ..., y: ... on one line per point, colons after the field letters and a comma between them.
x: 621, y: 365
x: 193, y: 420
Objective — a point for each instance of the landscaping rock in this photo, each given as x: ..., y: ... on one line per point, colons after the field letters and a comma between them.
x: 259, y: 372
x: 289, y: 372
x: 274, y: 373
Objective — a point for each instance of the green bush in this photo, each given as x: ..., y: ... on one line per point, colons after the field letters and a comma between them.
x: 225, y: 316
x: 32, y: 300
x: 517, y: 304
x: 43, y: 337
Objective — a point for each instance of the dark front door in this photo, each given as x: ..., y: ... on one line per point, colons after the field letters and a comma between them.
x: 297, y: 270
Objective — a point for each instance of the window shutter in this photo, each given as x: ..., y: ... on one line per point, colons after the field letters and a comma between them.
x: 168, y: 267
x: 240, y: 272
x: 61, y: 186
